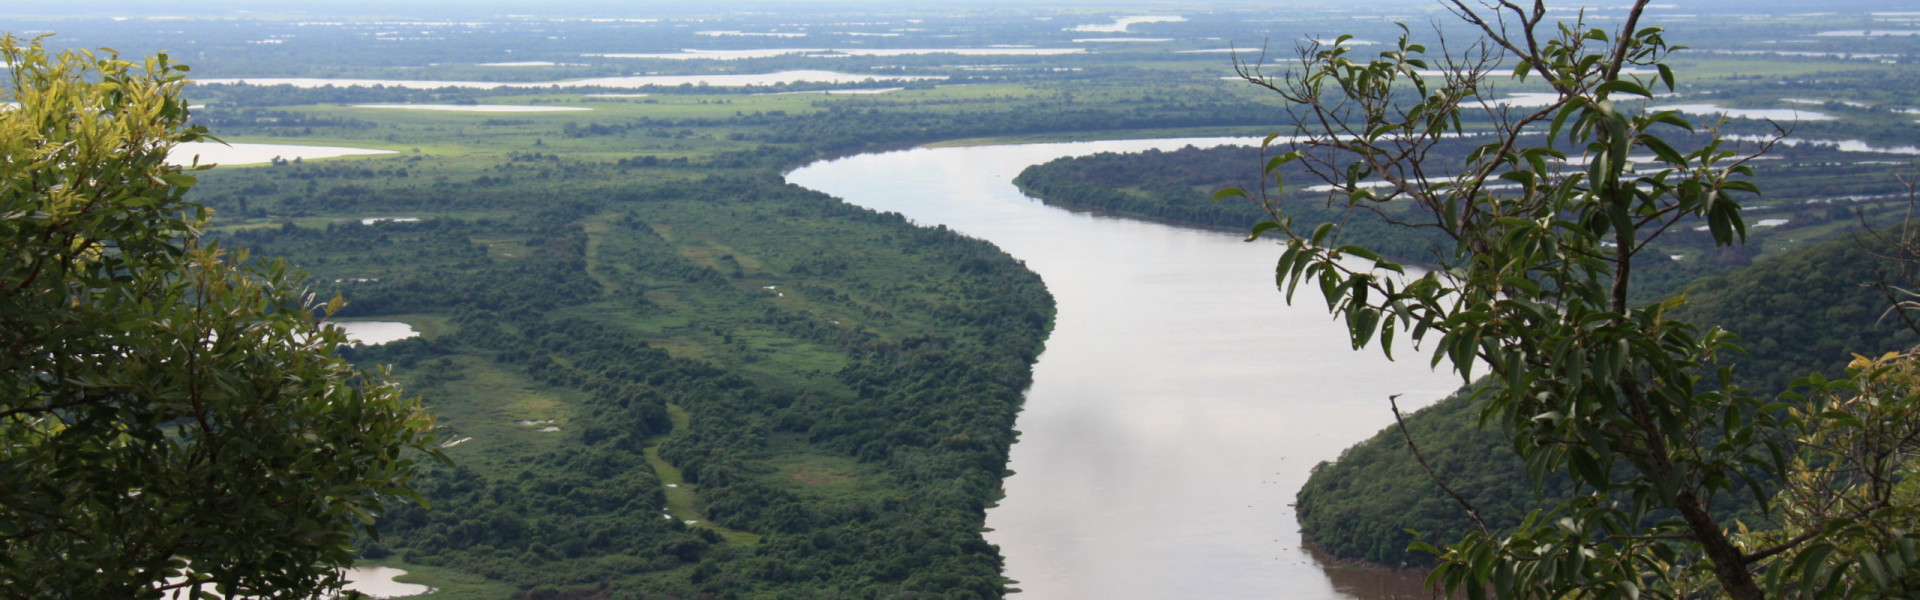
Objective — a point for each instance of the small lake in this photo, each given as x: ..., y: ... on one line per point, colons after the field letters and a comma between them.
x: 374, y: 333
x: 377, y: 582
x: 1180, y: 402
x: 1870, y: 33
x: 1526, y: 99
x: 1777, y: 114
x: 245, y: 154
x: 1120, y: 24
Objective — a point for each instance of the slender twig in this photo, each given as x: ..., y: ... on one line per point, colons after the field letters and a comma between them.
x: 1394, y: 402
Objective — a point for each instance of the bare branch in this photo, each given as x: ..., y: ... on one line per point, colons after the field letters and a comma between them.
x: 1394, y: 402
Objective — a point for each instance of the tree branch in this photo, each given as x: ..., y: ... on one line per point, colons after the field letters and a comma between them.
x: 1394, y: 402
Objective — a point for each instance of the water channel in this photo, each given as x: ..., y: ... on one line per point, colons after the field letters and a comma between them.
x: 1180, y: 402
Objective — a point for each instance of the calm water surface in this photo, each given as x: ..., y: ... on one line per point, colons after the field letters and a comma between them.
x: 1180, y: 402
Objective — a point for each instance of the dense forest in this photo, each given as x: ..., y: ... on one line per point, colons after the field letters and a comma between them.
x: 838, y: 403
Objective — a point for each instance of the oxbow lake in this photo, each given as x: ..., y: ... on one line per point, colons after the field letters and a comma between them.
x: 1180, y: 402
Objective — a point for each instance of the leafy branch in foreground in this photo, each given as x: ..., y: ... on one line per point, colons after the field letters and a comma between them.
x: 169, y: 420
x: 1547, y: 217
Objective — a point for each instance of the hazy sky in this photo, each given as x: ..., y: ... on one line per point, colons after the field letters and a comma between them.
x: 104, y: 8
x: 149, y: 7
x: 618, y: 8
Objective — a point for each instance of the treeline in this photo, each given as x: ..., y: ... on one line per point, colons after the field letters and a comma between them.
x: 1178, y: 186
x: 846, y: 127
x: 1798, y: 313
x: 426, y: 185
x: 814, y: 331
x: 222, y: 118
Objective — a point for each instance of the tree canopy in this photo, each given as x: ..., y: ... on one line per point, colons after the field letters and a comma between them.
x: 171, y: 417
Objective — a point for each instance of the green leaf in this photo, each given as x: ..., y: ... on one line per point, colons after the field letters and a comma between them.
x: 1274, y: 163
x: 1672, y: 117
x: 1283, y: 269
x: 1320, y: 234
x: 1586, y: 468
x: 1809, y: 564
x: 1261, y: 228
x: 1660, y: 148
x: 1361, y: 325
x: 1575, y: 106
x: 1626, y: 86
x: 1330, y: 288
x: 1875, y: 569
x: 1387, y: 332
x: 1300, y: 266
x: 1359, y: 251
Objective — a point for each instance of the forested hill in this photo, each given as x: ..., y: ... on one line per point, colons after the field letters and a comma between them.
x: 1798, y: 313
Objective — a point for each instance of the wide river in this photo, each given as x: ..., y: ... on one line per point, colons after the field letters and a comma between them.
x: 1180, y: 402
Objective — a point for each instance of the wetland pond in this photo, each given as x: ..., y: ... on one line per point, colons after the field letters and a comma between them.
x: 1180, y: 402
